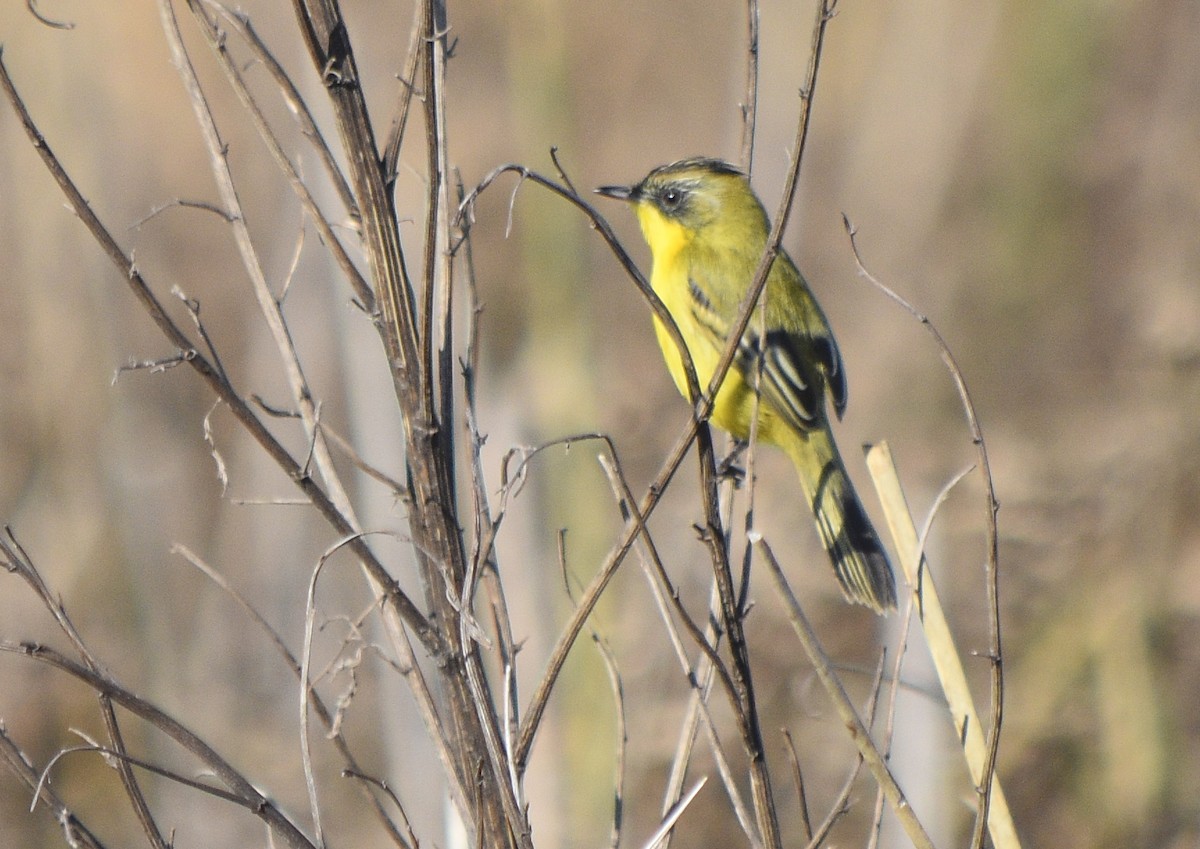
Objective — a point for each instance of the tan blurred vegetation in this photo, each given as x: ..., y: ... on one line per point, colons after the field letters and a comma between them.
x: 1027, y: 174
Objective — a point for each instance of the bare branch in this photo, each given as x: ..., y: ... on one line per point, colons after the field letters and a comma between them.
x: 296, y: 104
x: 17, y: 560
x: 216, y: 40
x: 75, y: 833
x: 845, y: 708
x: 213, y: 376
x: 985, y: 780
x: 750, y: 104
x: 31, y: 5
x: 246, y: 794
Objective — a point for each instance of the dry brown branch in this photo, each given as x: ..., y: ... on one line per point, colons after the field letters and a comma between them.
x: 214, y: 377
x: 75, y: 833
x: 984, y: 780
x: 242, y: 791
x: 217, y: 42
x: 858, y: 731
x: 17, y: 561
x: 750, y: 104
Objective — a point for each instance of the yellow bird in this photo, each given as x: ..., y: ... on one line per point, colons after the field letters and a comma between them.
x: 707, y: 231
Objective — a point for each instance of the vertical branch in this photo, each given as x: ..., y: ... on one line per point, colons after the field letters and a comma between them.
x: 438, y: 543
x: 747, y: 715
x: 438, y: 282
x: 985, y: 779
x: 267, y: 303
x: 750, y: 104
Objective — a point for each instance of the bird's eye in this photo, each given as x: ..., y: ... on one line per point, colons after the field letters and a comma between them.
x: 671, y: 198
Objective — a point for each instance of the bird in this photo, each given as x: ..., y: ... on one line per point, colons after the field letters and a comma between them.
x: 707, y: 232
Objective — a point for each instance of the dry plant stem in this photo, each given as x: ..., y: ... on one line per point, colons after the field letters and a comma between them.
x: 504, y: 781
x: 841, y: 804
x: 110, y: 755
x: 308, y: 125
x: 217, y: 42
x: 750, y: 105
x: 31, y: 5
x: 408, y: 80
x: 247, y: 796
x: 268, y: 305
x: 903, y: 631
x: 845, y: 708
x: 801, y: 796
x: 307, y: 693
x: 485, y: 528
x: 438, y: 277
x: 992, y: 508
x: 699, y: 676
x: 890, y: 725
x: 946, y: 657
x: 670, y: 817
x: 215, y: 378
x: 621, y: 734
x: 75, y: 833
x: 409, y: 841
x: 17, y: 560
x: 618, y: 691
x: 351, y: 766
x: 433, y: 521
x: 301, y: 394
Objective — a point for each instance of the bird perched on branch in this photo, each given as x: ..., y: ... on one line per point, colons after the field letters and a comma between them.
x: 707, y: 232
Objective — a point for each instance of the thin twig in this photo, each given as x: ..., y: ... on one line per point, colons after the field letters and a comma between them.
x: 699, y: 676
x: 217, y: 42
x: 409, y: 841
x: 408, y: 79
x: 269, y: 306
x: 111, y: 755
x: 75, y: 833
x: 750, y: 104
x: 216, y: 381
x: 31, y: 5
x: 942, y: 649
x: 672, y: 816
x: 296, y: 105
x: 840, y: 805
x: 801, y: 796
x: 17, y: 560
x: 618, y: 693
x: 845, y: 708
x: 992, y: 569
x: 247, y: 795
x: 186, y: 204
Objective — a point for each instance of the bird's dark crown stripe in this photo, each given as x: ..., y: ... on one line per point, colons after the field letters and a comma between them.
x: 696, y: 163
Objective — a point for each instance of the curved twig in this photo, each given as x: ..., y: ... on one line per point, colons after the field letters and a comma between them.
x: 247, y: 796
x: 992, y: 506
x: 213, y: 377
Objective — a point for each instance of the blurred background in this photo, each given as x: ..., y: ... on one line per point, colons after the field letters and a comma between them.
x: 1027, y: 175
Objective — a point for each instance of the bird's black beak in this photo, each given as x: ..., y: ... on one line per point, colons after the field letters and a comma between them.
x: 617, y: 192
